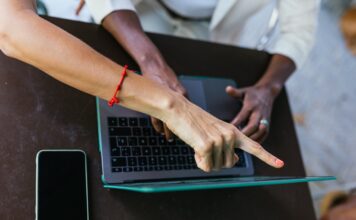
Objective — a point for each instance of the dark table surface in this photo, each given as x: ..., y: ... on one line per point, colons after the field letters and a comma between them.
x: 39, y: 112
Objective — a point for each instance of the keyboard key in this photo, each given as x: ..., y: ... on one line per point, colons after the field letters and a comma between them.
x: 115, y: 152
x: 122, y: 141
x: 156, y: 151
x: 125, y: 151
x: 136, y: 151
x: 142, y: 161
x: 171, y: 142
x: 146, y: 150
x: 180, y: 142
x: 133, y: 122
x: 154, y: 132
x: 146, y: 131
x: 186, y: 167
x: 152, y: 161
x: 133, y: 141
x: 127, y: 169
x: 132, y: 161
x: 136, y: 131
x: 172, y: 160
x: 184, y: 150
x: 179, y: 167
x: 190, y: 160
x: 119, y: 131
x: 142, y: 141
x: 138, y: 169
x: 152, y: 141
x: 158, y: 168
x: 194, y: 166
x: 175, y: 150
x: 165, y: 150
x: 162, y: 141
x: 123, y: 122
x: 112, y: 121
x: 118, y: 162
x: 181, y: 160
x: 162, y: 160
x: 113, y: 142
x: 116, y: 170
x: 144, y: 122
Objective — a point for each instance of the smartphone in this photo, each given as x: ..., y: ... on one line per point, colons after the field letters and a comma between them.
x: 61, y: 185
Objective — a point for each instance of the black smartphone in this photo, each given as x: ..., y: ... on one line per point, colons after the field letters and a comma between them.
x: 61, y: 185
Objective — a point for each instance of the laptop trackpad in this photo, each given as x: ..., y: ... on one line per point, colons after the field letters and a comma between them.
x: 219, y: 103
x: 195, y: 90
x: 210, y: 95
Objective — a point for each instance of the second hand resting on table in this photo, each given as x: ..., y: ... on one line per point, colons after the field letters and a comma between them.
x: 212, y: 139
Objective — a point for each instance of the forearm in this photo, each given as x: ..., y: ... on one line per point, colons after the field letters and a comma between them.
x: 277, y: 73
x: 125, y: 26
x: 69, y: 60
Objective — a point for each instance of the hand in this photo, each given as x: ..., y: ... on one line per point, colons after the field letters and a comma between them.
x: 166, y: 77
x: 213, y: 140
x: 257, y: 105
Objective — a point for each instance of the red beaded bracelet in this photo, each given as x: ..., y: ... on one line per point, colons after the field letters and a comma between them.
x: 114, y: 99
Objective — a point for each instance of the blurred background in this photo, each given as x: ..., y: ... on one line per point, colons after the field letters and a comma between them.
x: 322, y: 97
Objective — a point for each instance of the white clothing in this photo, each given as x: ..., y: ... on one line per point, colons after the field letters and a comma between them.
x: 237, y: 22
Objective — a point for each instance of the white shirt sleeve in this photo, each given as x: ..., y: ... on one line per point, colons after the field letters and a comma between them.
x: 298, y: 22
x: 101, y: 8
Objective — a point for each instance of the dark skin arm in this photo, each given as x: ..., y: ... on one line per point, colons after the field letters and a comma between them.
x: 258, y: 99
x: 125, y: 27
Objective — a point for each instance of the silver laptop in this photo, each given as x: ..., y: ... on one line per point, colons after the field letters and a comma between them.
x: 131, y: 150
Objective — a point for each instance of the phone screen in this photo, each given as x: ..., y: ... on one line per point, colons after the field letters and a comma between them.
x: 61, y: 186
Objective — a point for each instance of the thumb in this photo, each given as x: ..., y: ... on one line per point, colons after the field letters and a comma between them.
x: 237, y: 93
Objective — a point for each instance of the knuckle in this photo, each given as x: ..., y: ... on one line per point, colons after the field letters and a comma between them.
x: 230, y: 135
x: 206, y: 146
x: 218, y: 141
x: 251, y: 126
x: 263, y: 129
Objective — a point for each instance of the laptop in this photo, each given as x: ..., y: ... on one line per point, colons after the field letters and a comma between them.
x: 135, y: 157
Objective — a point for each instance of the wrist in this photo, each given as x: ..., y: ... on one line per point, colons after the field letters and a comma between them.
x: 151, y: 62
x: 273, y: 88
x: 171, y: 106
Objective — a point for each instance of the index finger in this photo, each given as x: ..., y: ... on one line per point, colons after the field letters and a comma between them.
x: 257, y: 150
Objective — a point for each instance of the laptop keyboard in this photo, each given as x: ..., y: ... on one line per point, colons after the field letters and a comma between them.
x: 135, y: 147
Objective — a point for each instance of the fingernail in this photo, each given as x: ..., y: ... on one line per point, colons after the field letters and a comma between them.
x: 162, y: 133
x: 170, y: 140
x: 279, y: 163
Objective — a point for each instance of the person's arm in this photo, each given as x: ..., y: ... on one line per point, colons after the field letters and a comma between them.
x: 120, y: 19
x: 298, y: 21
x: 29, y: 38
x: 125, y: 27
x: 258, y: 99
